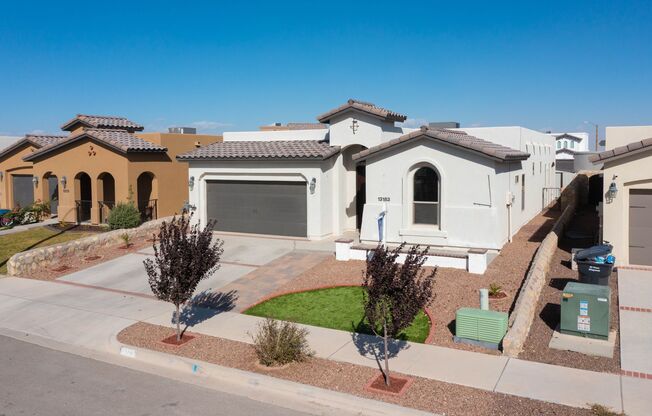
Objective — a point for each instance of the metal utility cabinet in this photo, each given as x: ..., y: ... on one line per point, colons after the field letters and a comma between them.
x: 586, y: 310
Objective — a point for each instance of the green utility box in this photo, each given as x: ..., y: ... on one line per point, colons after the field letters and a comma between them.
x: 586, y: 310
x: 480, y: 325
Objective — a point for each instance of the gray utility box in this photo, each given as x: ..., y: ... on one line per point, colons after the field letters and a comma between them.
x: 586, y: 310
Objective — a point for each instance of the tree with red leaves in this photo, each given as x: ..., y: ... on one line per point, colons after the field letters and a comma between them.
x: 395, y: 293
x: 184, y: 255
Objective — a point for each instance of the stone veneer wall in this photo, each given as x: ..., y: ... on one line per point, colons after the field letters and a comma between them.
x: 528, y: 298
x: 21, y: 264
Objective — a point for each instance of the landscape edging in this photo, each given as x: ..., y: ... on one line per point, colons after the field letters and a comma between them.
x: 521, y: 318
x: 30, y: 261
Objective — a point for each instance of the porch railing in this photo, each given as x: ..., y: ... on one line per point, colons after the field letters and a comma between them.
x: 149, y: 210
x: 83, y: 209
x: 105, y: 209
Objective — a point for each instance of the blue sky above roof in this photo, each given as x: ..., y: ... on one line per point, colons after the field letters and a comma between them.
x: 230, y: 66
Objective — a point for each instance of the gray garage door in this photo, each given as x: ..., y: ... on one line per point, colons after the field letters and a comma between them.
x: 640, y: 226
x: 259, y: 207
x: 23, y: 190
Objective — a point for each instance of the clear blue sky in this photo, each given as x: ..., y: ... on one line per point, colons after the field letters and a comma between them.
x: 236, y: 65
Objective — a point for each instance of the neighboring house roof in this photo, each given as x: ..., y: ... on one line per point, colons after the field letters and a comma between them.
x: 622, y: 151
x: 568, y: 136
x: 364, y: 107
x: 120, y: 140
x: 454, y: 138
x: 294, y: 126
x: 263, y: 150
x: 567, y: 150
x: 38, y: 141
x: 102, y: 122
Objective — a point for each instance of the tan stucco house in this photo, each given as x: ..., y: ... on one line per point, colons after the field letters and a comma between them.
x: 627, y: 212
x: 102, y: 160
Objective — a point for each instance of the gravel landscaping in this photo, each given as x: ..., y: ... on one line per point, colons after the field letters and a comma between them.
x: 548, y: 309
x: 89, y: 259
x: 423, y: 394
x: 454, y: 288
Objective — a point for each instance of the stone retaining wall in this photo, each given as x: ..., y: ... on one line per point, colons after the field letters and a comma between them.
x: 23, y: 263
x: 528, y: 298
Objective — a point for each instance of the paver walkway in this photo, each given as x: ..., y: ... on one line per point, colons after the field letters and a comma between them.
x: 91, y: 318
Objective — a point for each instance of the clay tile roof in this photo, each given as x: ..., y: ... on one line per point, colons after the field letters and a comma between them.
x: 263, y: 150
x: 102, y: 122
x: 38, y: 141
x: 364, y: 107
x: 454, y: 138
x: 120, y: 140
x: 622, y: 151
x: 568, y: 136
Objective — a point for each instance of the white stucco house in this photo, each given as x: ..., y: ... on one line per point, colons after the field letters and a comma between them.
x: 567, y: 145
x: 455, y: 189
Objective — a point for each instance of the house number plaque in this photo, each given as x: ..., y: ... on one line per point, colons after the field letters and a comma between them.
x: 383, y: 199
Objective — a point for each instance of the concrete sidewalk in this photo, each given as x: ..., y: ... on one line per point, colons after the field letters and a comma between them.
x: 25, y: 227
x: 91, y: 318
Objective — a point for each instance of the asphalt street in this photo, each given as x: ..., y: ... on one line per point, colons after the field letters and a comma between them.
x: 40, y: 381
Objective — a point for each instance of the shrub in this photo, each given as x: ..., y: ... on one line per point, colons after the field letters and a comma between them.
x: 495, y: 289
x: 278, y: 342
x: 126, y: 238
x: 600, y: 410
x: 124, y: 215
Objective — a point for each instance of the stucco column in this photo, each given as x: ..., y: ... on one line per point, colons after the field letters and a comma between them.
x: 95, y: 206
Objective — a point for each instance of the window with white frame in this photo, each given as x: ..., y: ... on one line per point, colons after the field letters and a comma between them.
x: 425, y: 196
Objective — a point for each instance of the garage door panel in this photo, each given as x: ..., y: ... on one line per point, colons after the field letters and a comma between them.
x: 640, y: 226
x: 259, y: 207
x: 23, y: 190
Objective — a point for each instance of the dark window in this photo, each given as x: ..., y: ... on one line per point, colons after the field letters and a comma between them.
x: 426, y: 196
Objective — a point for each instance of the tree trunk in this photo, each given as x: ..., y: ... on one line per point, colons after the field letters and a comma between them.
x: 387, y: 382
x: 178, y: 316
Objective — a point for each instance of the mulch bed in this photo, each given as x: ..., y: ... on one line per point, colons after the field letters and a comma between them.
x: 548, y: 309
x: 88, y: 259
x: 423, y: 394
x: 454, y: 288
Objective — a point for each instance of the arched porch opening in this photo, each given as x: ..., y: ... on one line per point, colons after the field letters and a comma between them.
x: 353, y: 188
x: 83, y: 196
x: 105, y: 195
x: 147, y: 196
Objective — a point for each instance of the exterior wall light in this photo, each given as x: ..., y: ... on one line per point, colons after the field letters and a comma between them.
x: 613, y: 189
x: 2, y: 175
x: 64, y: 181
x: 313, y: 185
x: 191, y: 182
x: 35, y: 180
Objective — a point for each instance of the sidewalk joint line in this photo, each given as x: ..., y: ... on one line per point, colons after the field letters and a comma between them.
x: 501, y: 374
x: 339, y: 349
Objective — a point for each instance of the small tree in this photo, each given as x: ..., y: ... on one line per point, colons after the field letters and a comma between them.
x: 185, y: 255
x: 395, y: 293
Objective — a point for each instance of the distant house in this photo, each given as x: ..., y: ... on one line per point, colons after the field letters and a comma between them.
x: 627, y: 208
x: 446, y: 187
x: 101, y: 160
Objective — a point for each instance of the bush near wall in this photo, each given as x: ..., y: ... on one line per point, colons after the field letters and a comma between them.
x: 124, y: 215
x: 26, y: 262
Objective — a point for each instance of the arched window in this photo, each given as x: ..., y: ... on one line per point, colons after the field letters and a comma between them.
x: 426, y: 196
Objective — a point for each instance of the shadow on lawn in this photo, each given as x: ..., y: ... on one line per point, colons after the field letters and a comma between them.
x: 36, y: 244
x: 372, y: 346
x: 204, y: 306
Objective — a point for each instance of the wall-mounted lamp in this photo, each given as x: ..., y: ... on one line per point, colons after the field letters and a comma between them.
x: 35, y: 180
x: 191, y: 182
x: 313, y: 185
x: 64, y: 181
x: 2, y: 175
x: 613, y: 189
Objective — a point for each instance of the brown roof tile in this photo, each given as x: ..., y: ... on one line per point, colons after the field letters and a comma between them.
x: 38, y: 141
x: 263, y: 150
x: 622, y: 151
x: 364, y: 107
x: 102, y: 122
x: 455, y: 138
x: 120, y: 140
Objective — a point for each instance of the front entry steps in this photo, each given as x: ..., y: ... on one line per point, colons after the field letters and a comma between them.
x: 472, y: 260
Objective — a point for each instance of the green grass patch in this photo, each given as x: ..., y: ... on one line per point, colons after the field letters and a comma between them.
x: 337, y: 308
x: 11, y: 244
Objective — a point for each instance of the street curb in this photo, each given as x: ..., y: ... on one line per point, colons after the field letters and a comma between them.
x: 258, y: 387
x: 258, y: 382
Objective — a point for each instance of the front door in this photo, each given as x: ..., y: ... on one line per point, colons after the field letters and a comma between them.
x: 360, y: 193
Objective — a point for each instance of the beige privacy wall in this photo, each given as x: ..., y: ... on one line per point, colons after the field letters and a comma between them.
x: 22, y: 264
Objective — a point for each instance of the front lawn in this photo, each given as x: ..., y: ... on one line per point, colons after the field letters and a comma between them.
x: 337, y: 308
x: 11, y: 244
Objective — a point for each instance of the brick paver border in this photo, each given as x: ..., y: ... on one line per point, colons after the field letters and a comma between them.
x: 636, y: 374
x: 635, y: 309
